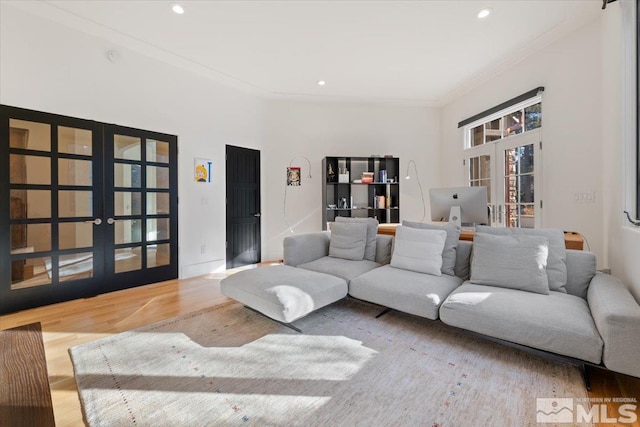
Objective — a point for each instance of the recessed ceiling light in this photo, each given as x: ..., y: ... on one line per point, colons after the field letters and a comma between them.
x: 177, y: 8
x: 484, y: 13
x: 321, y: 83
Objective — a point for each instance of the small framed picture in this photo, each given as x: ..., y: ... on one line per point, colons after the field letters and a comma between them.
x: 293, y: 176
x: 202, y: 170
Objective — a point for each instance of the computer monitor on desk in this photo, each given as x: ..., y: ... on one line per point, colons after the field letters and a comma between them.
x: 459, y: 205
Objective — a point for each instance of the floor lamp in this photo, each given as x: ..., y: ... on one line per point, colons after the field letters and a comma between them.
x: 415, y: 169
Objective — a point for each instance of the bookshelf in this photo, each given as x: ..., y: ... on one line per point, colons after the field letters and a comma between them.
x: 346, y: 191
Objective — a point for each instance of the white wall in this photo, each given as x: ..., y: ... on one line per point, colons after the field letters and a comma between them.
x: 588, y: 130
x: 315, y: 130
x: 49, y: 67
x: 618, y: 137
x: 571, y: 72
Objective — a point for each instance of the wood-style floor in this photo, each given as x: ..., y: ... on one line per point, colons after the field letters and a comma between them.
x: 75, y: 322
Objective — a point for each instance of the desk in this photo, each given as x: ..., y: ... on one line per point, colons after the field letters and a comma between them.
x: 25, y: 396
x: 571, y: 240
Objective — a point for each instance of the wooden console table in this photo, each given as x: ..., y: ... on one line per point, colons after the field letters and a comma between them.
x: 571, y: 240
x: 25, y: 396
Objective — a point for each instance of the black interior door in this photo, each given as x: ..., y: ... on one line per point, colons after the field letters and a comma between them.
x: 85, y: 208
x: 243, y: 206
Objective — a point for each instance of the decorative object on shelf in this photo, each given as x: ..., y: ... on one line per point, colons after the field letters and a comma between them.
x: 202, y: 170
x: 367, y: 177
x: 343, y: 176
x: 293, y: 176
x: 332, y: 168
x: 415, y: 168
x: 284, y: 201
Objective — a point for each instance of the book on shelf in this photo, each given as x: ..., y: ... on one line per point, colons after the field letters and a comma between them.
x: 367, y: 177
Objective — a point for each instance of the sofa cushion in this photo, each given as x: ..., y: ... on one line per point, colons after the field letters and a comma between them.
x: 450, y: 245
x: 415, y: 293
x: 463, y: 259
x: 283, y: 293
x: 581, y: 267
x: 372, y: 232
x: 339, y: 267
x: 307, y: 247
x: 384, y: 248
x: 557, y: 262
x: 516, y: 262
x: 558, y: 322
x: 418, y: 250
x: 348, y: 241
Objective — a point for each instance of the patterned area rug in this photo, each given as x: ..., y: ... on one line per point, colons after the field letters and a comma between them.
x: 228, y: 365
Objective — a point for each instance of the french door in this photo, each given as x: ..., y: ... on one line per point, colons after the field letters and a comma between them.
x: 510, y: 169
x: 85, y: 208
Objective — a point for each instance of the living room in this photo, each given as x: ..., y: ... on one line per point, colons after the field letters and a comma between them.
x: 56, y: 62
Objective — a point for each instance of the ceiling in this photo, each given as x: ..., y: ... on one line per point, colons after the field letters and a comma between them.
x: 418, y: 52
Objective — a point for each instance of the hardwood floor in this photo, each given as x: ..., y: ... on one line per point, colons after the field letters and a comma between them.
x: 75, y: 322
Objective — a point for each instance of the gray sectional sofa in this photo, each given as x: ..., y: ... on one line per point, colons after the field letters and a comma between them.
x: 582, y: 314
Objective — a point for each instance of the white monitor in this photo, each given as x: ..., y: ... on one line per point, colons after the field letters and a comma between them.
x: 459, y: 205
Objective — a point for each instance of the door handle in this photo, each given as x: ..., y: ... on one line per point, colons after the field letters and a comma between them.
x: 257, y: 215
x: 111, y: 221
x: 96, y: 221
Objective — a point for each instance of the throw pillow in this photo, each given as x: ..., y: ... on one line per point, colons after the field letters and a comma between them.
x: 348, y: 241
x: 372, y: 231
x: 557, y: 262
x: 450, y: 245
x: 418, y: 250
x: 516, y: 262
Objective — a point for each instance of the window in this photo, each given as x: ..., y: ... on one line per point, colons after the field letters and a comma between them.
x: 502, y: 152
x: 511, y: 123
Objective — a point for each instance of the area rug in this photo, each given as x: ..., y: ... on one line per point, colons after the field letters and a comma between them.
x: 228, y: 365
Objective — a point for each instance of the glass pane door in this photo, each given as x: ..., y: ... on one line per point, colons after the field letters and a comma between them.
x: 85, y: 208
x: 519, y: 201
x: 142, y: 212
x: 508, y: 168
x: 52, y: 215
x: 480, y: 169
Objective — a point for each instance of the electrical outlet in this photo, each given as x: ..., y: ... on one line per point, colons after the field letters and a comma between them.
x: 203, y: 249
x: 585, y: 197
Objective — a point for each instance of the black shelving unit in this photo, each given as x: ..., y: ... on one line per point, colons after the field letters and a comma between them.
x: 343, y: 193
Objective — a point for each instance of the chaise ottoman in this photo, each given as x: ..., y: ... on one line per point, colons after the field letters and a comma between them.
x: 282, y: 292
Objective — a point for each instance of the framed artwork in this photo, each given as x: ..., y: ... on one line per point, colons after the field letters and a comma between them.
x: 293, y: 176
x: 202, y: 170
